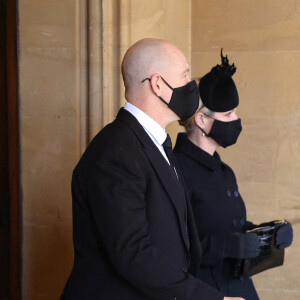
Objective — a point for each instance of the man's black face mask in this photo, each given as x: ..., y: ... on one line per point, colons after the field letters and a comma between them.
x: 184, y: 101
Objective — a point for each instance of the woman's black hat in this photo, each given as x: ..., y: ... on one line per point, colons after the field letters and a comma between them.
x: 217, y: 89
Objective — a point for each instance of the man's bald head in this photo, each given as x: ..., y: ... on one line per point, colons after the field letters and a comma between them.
x: 146, y: 57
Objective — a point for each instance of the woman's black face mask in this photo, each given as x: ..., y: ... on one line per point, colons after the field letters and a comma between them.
x: 225, y: 133
x: 184, y: 101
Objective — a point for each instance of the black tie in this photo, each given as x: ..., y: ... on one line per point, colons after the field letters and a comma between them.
x: 167, y: 144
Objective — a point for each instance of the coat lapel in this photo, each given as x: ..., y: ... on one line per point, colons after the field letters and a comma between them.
x: 161, y: 168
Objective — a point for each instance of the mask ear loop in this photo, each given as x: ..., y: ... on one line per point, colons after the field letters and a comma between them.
x: 167, y: 83
x: 167, y: 86
x: 163, y: 81
x: 209, y: 116
x: 203, y: 132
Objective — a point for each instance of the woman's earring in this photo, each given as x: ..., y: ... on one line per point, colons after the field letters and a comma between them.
x: 202, y: 133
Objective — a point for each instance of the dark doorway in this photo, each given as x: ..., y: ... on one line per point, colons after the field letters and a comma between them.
x: 10, y: 241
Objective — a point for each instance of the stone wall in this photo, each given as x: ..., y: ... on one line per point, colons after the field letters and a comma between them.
x: 70, y: 87
x: 262, y: 39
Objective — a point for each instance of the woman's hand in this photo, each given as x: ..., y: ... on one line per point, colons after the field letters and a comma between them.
x: 241, y: 245
x: 233, y: 298
x: 284, y: 236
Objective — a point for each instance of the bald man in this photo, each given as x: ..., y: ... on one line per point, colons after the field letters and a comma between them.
x: 133, y: 230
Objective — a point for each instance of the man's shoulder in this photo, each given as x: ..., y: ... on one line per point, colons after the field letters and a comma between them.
x: 115, y: 142
x: 115, y: 133
x: 112, y: 136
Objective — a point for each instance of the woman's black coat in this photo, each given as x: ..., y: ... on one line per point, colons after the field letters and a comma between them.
x: 219, y: 210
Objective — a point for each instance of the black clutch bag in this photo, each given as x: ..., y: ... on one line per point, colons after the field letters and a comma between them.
x: 269, y: 255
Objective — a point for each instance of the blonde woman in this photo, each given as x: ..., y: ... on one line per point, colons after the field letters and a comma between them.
x: 218, y: 207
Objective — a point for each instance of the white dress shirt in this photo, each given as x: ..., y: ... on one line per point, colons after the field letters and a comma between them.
x: 153, y: 129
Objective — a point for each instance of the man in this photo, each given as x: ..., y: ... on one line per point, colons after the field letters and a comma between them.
x: 134, y: 234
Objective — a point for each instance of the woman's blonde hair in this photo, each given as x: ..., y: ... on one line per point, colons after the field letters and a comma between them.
x: 189, y: 124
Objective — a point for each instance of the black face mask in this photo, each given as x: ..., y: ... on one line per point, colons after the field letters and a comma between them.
x: 184, y: 101
x: 225, y: 133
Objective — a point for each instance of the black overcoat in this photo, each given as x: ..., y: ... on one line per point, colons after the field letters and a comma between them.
x: 129, y: 223
x: 219, y: 210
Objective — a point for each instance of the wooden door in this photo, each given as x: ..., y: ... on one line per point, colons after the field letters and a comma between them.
x: 10, y: 287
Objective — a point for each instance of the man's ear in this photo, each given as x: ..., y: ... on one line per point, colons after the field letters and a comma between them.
x: 156, y: 84
x: 200, y: 120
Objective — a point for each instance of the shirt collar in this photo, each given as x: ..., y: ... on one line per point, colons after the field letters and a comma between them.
x: 152, y: 127
x: 183, y: 144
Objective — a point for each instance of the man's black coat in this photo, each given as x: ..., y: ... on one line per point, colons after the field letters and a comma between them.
x: 129, y: 222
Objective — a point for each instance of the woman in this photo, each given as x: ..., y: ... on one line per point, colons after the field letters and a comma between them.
x: 219, y: 210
